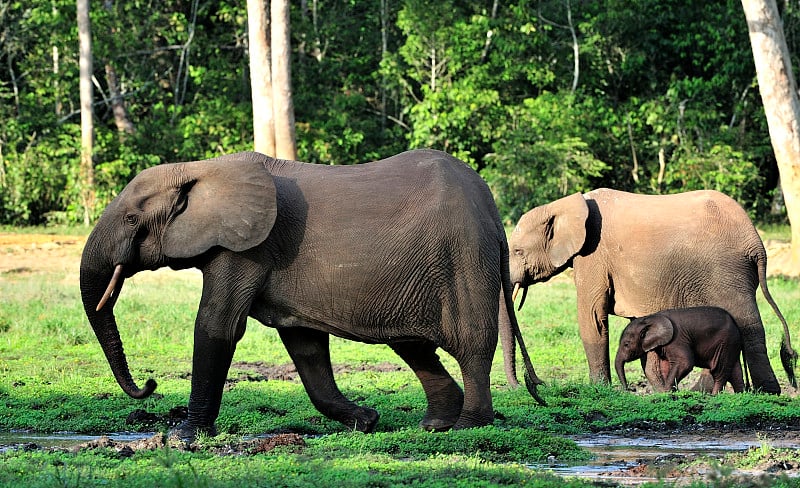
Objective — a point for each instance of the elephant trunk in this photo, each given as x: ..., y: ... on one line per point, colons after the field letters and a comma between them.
x: 95, y: 293
x: 620, y: 366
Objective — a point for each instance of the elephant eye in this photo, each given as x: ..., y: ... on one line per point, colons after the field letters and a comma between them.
x: 518, y: 252
x: 131, y: 219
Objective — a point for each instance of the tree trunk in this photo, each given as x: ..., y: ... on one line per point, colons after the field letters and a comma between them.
x: 121, y: 119
x: 283, y: 106
x: 260, y: 77
x: 87, y: 125
x: 779, y: 96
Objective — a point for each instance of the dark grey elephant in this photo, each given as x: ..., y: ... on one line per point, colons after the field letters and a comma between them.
x: 634, y: 255
x: 706, y: 337
x: 408, y: 251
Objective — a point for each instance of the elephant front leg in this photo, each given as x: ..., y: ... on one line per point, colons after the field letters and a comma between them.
x: 445, y: 398
x: 210, y: 364
x: 220, y: 324
x: 595, y: 344
x: 593, y: 328
x: 310, y: 353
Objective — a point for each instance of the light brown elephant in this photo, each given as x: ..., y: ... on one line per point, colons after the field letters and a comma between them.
x: 634, y: 255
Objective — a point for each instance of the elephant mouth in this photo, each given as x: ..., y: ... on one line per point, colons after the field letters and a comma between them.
x: 517, y: 287
x: 113, y: 288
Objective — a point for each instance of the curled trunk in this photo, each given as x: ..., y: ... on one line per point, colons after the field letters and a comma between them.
x: 104, y: 324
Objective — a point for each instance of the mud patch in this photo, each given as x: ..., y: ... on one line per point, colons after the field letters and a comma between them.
x: 143, y: 418
x: 126, y: 445
x: 259, y: 371
x: 258, y: 445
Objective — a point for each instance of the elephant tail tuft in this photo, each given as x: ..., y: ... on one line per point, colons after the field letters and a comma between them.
x: 789, y: 361
x: 531, y: 384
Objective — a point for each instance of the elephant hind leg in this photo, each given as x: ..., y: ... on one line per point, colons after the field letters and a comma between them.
x: 444, y: 396
x: 310, y: 353
x: 477, y: 409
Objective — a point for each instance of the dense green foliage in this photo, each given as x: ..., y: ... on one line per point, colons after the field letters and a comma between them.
x: 496, y: 84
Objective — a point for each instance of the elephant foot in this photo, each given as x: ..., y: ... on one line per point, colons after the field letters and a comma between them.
x: 437, y: 424
x: 468, y: 420
x: 186, y: 433
x: 444, y: 411
x: 363, y: 419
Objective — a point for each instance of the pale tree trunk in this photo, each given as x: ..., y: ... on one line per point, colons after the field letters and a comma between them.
x: 121, y: 119
x: 283, y: 106
x: 56, y: 68
x: 260, y: 77
x: 87, y: 125
x: 779, y: 96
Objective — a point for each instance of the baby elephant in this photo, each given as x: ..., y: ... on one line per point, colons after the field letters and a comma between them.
x: 706, y: 337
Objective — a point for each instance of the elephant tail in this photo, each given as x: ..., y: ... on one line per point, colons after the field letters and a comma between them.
x: 532, y: 381
x: 787, y: 353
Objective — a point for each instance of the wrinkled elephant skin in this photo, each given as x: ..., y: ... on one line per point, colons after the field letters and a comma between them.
x: 408, y: 251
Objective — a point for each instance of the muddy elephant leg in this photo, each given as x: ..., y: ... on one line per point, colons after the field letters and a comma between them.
x: 445, y: 398
x: 593, y: 328
x: 310, y: 353
x: 595, y: 343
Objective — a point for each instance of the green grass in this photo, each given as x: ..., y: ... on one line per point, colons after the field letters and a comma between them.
x: 778, y: 232
x: 53, y: 377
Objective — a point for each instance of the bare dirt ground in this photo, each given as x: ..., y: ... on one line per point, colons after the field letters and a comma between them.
x: 32, y: 253
x: 22, y: 254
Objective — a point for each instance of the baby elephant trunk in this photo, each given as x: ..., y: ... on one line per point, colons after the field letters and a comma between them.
x: 620, y: 365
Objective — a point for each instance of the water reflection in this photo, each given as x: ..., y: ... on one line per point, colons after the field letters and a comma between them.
x: 15, y: 439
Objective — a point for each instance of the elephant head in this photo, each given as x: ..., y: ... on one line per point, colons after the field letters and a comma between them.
x: 545, y: 240
x: 165, y: 215
x: 640, y: 337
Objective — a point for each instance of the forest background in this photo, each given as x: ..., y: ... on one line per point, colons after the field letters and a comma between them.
x: 542, y: 98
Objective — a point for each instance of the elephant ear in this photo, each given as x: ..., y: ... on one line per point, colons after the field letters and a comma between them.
x: 567, y: 228
x: 658, y: 332
x: 229, y: 201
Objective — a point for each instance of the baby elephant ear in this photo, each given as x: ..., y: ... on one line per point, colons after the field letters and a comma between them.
x: 230, y: 202
x: 658, y: 332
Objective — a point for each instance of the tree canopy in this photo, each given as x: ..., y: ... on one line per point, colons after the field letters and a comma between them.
x: 543, y: 98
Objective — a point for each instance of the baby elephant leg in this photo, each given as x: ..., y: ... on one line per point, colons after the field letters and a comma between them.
x: 736, y: 378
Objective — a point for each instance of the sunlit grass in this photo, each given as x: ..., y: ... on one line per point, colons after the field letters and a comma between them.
x: 54, y: 377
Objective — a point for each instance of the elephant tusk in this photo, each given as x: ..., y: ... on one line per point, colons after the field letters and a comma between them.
x: 514, y: 294
x: 112, y: 285
x: 522, y: 302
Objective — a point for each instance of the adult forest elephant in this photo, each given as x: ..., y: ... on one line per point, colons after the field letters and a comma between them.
x: 634, y: 255
x: 409, y: 251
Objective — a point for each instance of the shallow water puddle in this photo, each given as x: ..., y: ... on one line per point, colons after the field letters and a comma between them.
x: 14, y: 440
x: 634, y: 460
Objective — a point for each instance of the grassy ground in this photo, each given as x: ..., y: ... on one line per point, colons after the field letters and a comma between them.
x: 53, y: 377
